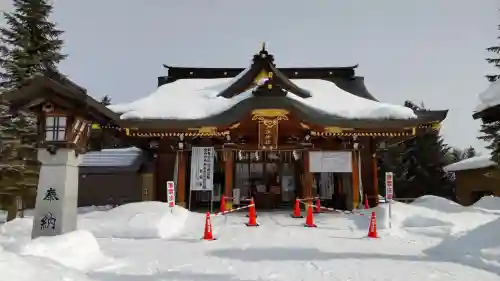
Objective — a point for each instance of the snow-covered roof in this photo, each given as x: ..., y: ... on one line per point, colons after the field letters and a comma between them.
x: 476, y: 162
x: 197, y: 99
x: 490, y: 97
x: 117, y: 157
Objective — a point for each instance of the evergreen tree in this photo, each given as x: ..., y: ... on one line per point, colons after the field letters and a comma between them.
x: 29, y: 43
x: 418, y: 165
x: 469, y: 152
x: 455, y: 154
x: 491, y: 131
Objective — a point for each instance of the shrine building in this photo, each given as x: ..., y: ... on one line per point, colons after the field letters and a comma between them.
x: 269, y: 132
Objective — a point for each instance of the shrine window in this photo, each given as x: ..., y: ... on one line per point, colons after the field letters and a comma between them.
x: 55, y: 128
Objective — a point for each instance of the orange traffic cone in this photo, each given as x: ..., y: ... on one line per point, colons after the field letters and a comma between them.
x: 252, y: 216
x: 296, y: 210
x: 367, y: 206
x: 372, y: 230
x: 207, y: 235
x: 222, y: 204
x: 309, y: 218
x: 317, y: 207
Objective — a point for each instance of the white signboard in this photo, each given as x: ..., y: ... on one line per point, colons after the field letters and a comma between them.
x: 330, y: 161
x: 389, y: 185
x: 171, y: 194
x: 202, y: 168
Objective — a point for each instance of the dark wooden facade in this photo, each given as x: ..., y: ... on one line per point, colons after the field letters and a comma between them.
x: 269, y: 121
x: 112, y: 177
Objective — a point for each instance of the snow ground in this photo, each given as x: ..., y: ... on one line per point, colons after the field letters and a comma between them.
x: 430, y: 239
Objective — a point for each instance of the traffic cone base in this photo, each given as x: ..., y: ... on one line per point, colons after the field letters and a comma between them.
x: 317, y: 208
x: 296, y: 210
x: 252, y: 215
x: 310, y: 217
x: 222, y: 204
x: 372, y: 229
x: 207, y: 234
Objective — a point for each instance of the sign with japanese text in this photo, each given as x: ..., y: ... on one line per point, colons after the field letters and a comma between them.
x: 389, y: 185
x: 171, y: 194
x: 202, y: 168
x: 268, y: 134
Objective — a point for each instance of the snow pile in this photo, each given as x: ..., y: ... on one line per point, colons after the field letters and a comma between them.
x: 432, y: 211
x: 478, y: 247
x: 18, y: 268
x: 78, y: 249
x: 181, y: 99
x: 438, y: 203
x: 346, y: 105
x: 136, y: 220
x: 490, y: 97
x: 18, y: 227
x: 197, y: 98
x: 491, y: 203
x: 476, y: 162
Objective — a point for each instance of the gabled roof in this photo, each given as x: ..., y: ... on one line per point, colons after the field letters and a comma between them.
x: 192, y: 97
x: 262, y: 73
x: 44, y: 86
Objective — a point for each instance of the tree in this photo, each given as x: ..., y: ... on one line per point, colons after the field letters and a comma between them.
x: 29, y: 44
x: 491, y: 131
x: 418, y: 164
x: 455, y: 154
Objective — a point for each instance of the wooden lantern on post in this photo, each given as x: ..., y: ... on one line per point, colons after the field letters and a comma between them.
x: 61, y: 128
x: 65, y: 113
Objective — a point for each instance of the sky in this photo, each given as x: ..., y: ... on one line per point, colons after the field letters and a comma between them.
x: 427, y: 50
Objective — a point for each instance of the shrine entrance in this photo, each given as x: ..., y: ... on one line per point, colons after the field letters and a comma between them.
x: 270, y: 177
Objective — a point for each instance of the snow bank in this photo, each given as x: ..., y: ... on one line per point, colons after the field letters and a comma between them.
x: 78, y: 249
x: 24, y: 268
x: 136, y: 220
x: 197, y: 98
x: 438, y: 203
x: 431, y: 211
x: 476, y: 162
x: 490, y: 203
x: 479, y: 247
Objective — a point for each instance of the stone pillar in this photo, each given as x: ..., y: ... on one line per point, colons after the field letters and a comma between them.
x: 57, y: 193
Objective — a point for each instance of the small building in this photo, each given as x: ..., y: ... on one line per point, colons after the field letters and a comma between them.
x: 474, y: 179
x: 113, y: 177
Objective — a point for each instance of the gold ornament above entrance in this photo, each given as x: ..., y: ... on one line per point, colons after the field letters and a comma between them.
x: 270, y: 113
x: 268, y: 126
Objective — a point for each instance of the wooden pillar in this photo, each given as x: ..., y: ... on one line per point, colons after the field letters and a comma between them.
x: 374, y: 201
x: 307, y: 178
x: 181, y: 179
x: 355, y: 179
x: 228, y: 174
